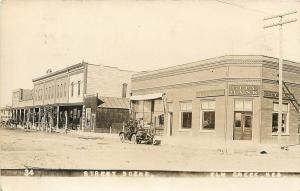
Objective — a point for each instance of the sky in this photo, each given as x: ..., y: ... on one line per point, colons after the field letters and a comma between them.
x: 36, y: 35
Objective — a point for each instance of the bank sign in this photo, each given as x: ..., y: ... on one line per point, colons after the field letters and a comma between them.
x: 243, y: 90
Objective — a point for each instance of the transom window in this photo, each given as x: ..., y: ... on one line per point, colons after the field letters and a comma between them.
x: 186, y: 115
x: 208, y: 115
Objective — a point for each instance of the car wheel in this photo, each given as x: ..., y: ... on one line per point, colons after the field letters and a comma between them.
x: 122, y: 137
x: 133, y: 139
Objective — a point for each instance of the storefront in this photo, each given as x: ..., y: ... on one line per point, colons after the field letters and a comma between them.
x: 224, y: 99
x: 149, y: 110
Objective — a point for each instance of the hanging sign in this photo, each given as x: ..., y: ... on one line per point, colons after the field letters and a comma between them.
x: 275, y: 95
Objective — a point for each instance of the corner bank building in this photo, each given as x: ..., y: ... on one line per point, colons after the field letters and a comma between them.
x: 228, y: 98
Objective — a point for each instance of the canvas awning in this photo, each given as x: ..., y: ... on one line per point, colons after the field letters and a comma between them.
x: 146, y: 97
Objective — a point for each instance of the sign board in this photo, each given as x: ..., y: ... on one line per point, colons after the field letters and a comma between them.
x: 272, y: 94
x: 243, y: 90
x: 210, y: 93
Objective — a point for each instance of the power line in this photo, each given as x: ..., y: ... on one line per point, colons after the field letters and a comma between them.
x: 242, y: 7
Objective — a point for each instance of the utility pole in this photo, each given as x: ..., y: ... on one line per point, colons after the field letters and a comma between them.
x: 280, y: 23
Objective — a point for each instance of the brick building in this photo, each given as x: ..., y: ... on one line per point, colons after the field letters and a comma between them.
x: 58, y: 97
x: 228, y: 98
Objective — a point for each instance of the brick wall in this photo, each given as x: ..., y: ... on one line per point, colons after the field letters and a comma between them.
x: 107, y: 81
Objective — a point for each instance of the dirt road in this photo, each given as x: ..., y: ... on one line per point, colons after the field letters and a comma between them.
x: 19, y: 148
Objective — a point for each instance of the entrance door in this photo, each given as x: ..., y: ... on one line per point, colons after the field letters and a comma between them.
x: 170, y: 121
x: 242, y: 129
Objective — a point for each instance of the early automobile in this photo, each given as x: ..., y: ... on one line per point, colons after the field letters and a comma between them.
x: 139, y: 134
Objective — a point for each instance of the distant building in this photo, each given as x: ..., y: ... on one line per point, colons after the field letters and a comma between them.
x: 228, y: 98
x: 107, y: 113
x: 58, y: 98
x: 5, y: 113
x: 21, y: 103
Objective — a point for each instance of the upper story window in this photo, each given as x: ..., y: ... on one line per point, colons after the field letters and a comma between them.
x: 124, y: 90
x: 53, y: 91
x: 46, y: 93
x: 49, y: 94
x: 57, y: 91
x: 186, y: 115
x: 65, y: 89
x: 61, y: 90
x: 78, y: 87
x: 72, y: 89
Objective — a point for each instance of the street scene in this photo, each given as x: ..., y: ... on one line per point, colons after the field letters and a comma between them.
x: 172, y: 88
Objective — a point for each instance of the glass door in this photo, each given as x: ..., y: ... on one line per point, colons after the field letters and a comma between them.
x: 242, y: 129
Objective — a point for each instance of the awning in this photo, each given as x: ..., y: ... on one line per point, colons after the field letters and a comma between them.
x: 114, y: 103
x: 146, y: 96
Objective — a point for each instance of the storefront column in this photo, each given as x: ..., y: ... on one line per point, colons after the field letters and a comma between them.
x: 57, y: 117
x: 39, y: 119
x: 33, y: 119
x: 44, y: 121
x: 83, y: 118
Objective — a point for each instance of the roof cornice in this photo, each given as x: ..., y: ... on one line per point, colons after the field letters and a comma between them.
x: 217, y: 62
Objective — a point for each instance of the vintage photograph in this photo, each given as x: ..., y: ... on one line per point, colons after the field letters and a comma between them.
x: 196, y: 89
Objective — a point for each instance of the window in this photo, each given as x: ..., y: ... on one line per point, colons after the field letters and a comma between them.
x: 72, y: 89
x: 61, y: 90
x: 65, y: 90
x: 46, y: 93
x: 208, y: 115
x: 57, y: 91
x: 78, y: 87
x: 284, y: 128
x: 124, y: 90
x: 49, y: 95
x: 186, y: 115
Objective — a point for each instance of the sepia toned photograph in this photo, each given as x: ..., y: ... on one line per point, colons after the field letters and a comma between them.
x: 172, y: 95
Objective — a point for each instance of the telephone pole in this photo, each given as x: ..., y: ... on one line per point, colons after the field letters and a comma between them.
x: 280, y: 23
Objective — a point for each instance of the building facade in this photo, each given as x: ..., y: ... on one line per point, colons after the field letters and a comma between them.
x: 5, y: 113
x: 223, y: 99
x: 59, y: 97
x: 22, y: 103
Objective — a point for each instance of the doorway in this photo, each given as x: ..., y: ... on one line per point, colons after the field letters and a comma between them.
x: 242, y: 127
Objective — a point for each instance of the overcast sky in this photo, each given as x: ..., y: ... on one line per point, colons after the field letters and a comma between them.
x: 135, y: 35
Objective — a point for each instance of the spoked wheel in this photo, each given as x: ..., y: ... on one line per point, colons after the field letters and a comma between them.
x: 133, y: 139
x: 122, y: 137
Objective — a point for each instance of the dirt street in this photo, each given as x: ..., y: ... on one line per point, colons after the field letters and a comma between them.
x: 19, y: 148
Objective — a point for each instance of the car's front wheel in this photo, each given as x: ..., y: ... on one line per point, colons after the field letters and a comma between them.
x: 122, y: 137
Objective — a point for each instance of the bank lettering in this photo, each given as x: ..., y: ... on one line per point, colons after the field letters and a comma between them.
x: 243, y: 90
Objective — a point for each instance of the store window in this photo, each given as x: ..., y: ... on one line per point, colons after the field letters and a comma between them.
x: 208, y: 115
x: 284, y: 128
x: 186, y: 115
